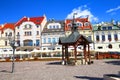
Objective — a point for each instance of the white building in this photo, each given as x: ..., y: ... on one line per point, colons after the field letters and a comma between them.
x: 28, y: 31
x: 106, y: 37
x: 5, y: 31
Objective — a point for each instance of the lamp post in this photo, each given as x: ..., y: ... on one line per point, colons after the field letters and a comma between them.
x: 12, y: 44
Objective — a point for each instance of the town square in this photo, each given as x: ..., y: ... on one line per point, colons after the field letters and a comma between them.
x: 59, y: 40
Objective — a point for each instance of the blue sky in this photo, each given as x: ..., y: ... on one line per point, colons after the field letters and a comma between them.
x: 98, y: 10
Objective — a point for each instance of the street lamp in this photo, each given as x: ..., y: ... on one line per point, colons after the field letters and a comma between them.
x: 12, y: 44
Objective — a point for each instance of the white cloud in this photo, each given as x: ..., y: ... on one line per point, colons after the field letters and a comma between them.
x: 82, y: 11
x: 113, y: 9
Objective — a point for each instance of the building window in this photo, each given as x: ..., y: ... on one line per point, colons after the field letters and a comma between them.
x: 89, y: 37
x: 109, y: 37
x: 57, y: 26
x: 97, y: 37
x: 30, y: 33
x: 79, y: 24
x: 37, y: 26
x: 37, y: 32
x: 115, y: 37
x: 119, y: 45
x: 10, y: 34
x: 25, y: 33
x: 37, y: 42
x: 44, y: 40
x: 37, y: 20
x: 53, y: 26
x: 110, y: 46
x: 110, y: 28
x: 53, y: 40
x: 86, y: 24
x: 69, y: 25
x: 30, y: 26
x: 44, y: 48
x: 5, y: 43
x: 100, y: 47
x: 18, y: 33
x: 103, y: 37
x: 49, y: 40
x: 6, y: 34
x: 50, y: 27
x: 103, y: 28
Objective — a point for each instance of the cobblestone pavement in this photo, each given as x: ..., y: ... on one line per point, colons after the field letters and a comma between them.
x: 52, y: 70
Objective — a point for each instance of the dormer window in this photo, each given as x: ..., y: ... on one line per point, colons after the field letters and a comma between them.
x: 37, y: 20
x: 79, y: 24
x: 86, y: 24
x: 110, y: 28
x: 69, y: 25
x: 28, y: 26
x: 103, y: 28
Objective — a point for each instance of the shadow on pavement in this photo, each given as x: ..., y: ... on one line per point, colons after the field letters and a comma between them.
x: 88, y: 78
x: 113, y: 62
x: 54, y: 63
x: 5, y: 71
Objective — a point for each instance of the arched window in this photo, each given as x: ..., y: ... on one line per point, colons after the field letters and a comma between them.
x: 103, y: 37
x: 115, y: 37
x: 97, y: 37
x: 109, y: 37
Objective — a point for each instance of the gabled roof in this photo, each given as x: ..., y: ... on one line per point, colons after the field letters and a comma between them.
x: 72, y: 38
x: 36, y: 20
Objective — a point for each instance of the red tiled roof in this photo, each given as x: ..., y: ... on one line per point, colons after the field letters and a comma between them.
x: 82, y: 20
x: 0, y: 27
x: 36, y: 20
x: 9, y: 25
x: 6, y: 26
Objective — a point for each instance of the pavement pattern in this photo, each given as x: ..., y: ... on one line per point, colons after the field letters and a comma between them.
x: 53, y: 70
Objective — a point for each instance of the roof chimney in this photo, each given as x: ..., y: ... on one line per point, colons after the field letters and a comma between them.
x: 28, y: 18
